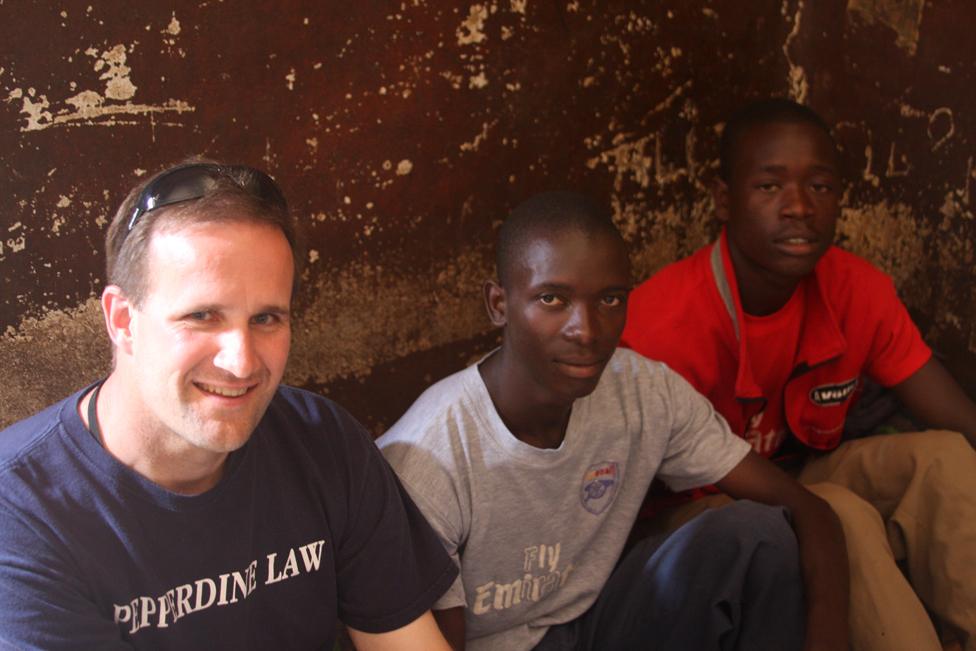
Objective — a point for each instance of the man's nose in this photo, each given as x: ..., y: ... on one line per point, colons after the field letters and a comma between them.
x: 236, y: 353
x: 582, y: 325
x: 797, y: 202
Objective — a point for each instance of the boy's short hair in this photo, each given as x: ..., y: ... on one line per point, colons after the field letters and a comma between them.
x: 766, y: 111
x: 548, y: 213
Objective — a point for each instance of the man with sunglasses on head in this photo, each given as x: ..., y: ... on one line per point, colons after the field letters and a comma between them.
x: 189, y: 500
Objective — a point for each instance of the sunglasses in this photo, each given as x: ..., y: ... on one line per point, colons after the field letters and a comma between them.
x: 189, y: 182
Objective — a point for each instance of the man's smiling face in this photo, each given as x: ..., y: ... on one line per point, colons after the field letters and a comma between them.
x: 210, y: 341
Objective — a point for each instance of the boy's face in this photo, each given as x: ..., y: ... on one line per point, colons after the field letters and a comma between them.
x: 781, y: 202
x: 564, y: 310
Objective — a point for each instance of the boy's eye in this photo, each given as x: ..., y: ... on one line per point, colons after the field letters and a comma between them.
x: 822, y: 188
x: 549, y: 299
x: 768, y: 187
x: 613, y: 301
x: 266, y: 319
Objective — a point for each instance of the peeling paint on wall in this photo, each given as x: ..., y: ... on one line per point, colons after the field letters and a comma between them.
x: 799, y: 87
x: 90, y: 107
x: 402, y: 134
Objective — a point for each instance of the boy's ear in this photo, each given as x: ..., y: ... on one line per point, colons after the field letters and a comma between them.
x: 495, y: 303
x: 720, y: 194
x: 117, y: 311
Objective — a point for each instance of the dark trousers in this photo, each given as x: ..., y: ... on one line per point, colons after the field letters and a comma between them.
x: 727, y: 580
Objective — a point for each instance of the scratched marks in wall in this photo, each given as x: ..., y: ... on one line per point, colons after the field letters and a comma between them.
x: 403, y: 132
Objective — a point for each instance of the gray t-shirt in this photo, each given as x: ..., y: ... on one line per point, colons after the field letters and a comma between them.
x: 537, y: 532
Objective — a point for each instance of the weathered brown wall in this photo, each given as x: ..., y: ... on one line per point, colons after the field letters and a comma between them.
x: 403, y: 132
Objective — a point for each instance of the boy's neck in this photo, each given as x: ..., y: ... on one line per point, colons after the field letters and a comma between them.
x: 531, y: 421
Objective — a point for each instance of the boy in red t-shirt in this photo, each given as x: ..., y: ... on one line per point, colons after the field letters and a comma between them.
x: 777, y: 327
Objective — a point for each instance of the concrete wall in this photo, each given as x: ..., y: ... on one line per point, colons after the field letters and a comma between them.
x: 403, y: 132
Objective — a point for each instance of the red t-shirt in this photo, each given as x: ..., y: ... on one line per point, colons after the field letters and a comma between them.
x: 689, y: 316
x: 772, y: 342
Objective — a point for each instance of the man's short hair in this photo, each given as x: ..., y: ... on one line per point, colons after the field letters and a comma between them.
x: 766, y: 111
x: 230, y: 194
x: 548, y: 213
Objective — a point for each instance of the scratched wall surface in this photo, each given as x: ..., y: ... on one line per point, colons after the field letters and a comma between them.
x: 403, y: 132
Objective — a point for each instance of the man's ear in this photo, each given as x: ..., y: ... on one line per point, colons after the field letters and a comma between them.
x: 720, y: 194
x: 495, y: 303
x: 117, y: 310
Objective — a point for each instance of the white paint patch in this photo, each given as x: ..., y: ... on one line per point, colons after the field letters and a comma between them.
x: 904, y: 17
x: 626, y: 159
x: 868, y: 174
x: 799, y: 87
x: 404, y: 167
x: 17, y: 244
x: 941, y: 115
x: 90, y: 108
x: 173, y: 29
x: 478, y: 139
x: 313, y: 256
x: 470, y: 30
x: 454, y: 79
x: 118, y: 86
x: 478, y: 81
x: 90, y: 111
x: 518, y: 6
x: 63, y: 201
x: 290, y: 79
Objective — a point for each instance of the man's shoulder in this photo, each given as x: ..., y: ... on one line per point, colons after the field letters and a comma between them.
x: 630, y: 377
x: 844, y: 263
x: 440, y: 404
x: 23, y: 437
x: 677, y: 307
x: 303, y: 404
x: 312, y: 421
x: 847, y: 277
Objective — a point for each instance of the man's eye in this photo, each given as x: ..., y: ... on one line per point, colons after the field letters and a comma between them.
x: 199, y: 316
x: 822, y: 188
x: 613, y: 301
x: 266, y: 319
x: 549, y: 299
x: 768, y: 187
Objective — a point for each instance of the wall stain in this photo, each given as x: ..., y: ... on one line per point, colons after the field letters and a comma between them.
x: 402, y: 135
x: 903, y: 16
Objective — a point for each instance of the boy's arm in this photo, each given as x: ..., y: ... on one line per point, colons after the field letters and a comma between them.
x: 451, y: 622
x: 823, y: 554
x: 421, y: 634
x: 936, y: 399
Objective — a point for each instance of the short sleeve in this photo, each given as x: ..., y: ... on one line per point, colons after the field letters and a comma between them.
x: 701, y: 448
x: 451, y: 538
x: 897, y: 349
x: 436, y: 490
x: 391, y: 566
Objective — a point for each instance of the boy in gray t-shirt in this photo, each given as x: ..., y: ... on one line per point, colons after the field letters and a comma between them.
x: 532, y: 465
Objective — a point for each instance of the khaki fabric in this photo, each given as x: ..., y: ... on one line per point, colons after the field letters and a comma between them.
x: 922, y: 490
x: 904, y: 501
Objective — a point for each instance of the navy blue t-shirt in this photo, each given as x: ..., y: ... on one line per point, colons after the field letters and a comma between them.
x: 307, y: 525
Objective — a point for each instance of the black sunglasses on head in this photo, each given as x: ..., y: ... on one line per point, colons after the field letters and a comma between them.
x: 188, y: 182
